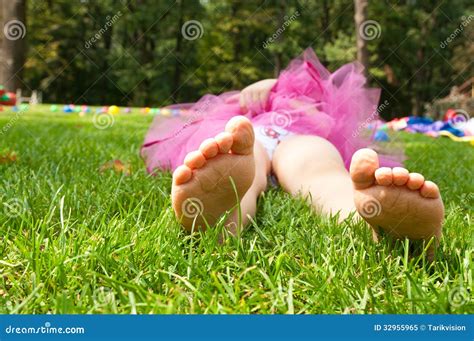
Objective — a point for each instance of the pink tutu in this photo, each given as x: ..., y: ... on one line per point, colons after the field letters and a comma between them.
x: 306, y: 100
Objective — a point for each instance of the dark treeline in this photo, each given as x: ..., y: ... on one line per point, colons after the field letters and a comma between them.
x: 148, y: 52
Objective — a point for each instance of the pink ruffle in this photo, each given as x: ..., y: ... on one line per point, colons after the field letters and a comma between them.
x: 307, y: 99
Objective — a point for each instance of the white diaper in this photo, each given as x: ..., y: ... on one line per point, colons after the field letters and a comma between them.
x: 270, y: 136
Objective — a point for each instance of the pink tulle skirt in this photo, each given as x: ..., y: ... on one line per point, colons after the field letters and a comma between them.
x: 306, y: 100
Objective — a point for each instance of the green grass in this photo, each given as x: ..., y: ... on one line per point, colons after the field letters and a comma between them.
x: 82, y: 241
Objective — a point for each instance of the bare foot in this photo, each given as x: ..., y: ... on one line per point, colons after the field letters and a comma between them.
x: 400, y: 203
x: 202, y: 191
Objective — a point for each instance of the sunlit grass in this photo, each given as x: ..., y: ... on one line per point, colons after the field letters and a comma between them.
x: 74, y: 239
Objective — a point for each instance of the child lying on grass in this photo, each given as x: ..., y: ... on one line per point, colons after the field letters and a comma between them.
x: 304, y: 128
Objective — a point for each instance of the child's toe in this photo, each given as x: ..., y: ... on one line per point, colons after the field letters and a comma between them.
x: 224, y: 141
x: 209, y: 148
x: 195, y: 160
x: 182, y: 174
x: 429, y: 190
x: 400, y: 176
x: 415, y: 181
x: 363, y: 166
x: 383, y: 176
x: 242, y: 133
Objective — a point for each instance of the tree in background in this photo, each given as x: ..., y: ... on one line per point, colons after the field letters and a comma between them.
x: 144, y: 58
x: 412, y: 65
x: 360, y: 18
x: 13, y: 43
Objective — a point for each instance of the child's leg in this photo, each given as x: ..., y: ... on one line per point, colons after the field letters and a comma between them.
x: 402, y: 204
x: 312, y: 167
x: 202, y: 190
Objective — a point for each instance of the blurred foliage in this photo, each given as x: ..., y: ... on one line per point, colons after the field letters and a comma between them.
x: 142, y: 58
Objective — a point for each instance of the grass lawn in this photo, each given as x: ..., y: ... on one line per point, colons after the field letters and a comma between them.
x: 74, y: 239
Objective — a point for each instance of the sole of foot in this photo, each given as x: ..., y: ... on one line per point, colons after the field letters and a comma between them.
x: 400, y: 203
x: 202, y: 189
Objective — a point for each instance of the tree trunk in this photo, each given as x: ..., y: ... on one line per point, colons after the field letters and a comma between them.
x: 13, y: 48
x: 236, y: 35
x: 178, y: 54
x: 326, y: 21
x: 423, y: 74
x: 360, y: 17
x: 279, y: 40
